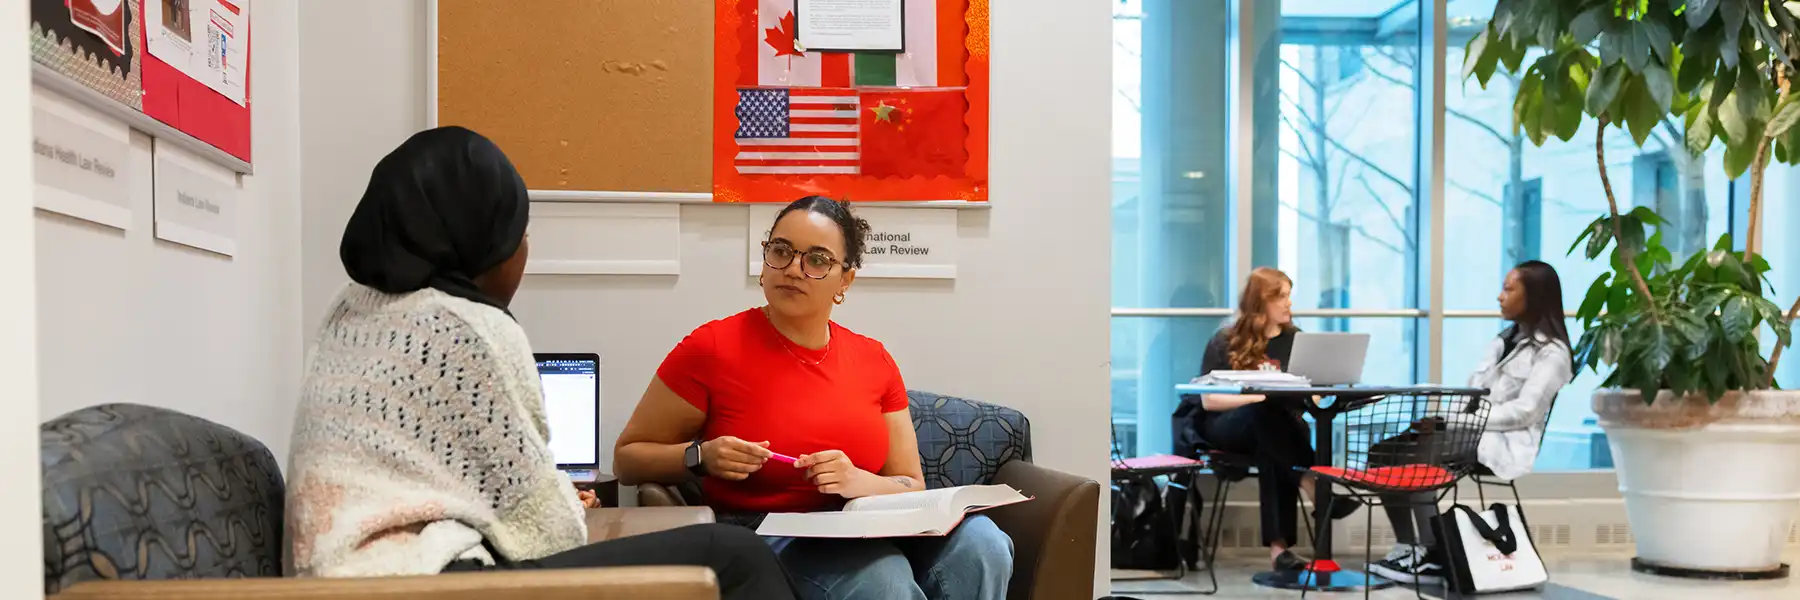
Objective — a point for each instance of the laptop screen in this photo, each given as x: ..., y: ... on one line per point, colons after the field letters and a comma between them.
x: 572, y: 404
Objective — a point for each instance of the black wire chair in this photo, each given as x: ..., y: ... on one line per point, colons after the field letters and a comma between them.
x: 1405, y: 450
x: 1180, y: 471
x: 1484, y: 478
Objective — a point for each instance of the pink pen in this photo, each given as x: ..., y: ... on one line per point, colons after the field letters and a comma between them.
x: 782, y: 458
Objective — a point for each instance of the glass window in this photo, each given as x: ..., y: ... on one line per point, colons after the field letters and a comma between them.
x: 1171, y: 225
x: 1348, y: 217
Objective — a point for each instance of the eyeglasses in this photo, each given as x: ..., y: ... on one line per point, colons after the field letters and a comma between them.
x: 816, y: 264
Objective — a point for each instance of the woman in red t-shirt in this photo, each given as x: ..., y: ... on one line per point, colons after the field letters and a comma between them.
x: 783, y: 378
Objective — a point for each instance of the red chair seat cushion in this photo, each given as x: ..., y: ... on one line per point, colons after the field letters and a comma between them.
x: 1403, y: 477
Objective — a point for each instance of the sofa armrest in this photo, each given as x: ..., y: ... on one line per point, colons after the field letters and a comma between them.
x: 656, y: 494
x: 1053, y: 535
x: 614, y: 523
x: 630, y: 583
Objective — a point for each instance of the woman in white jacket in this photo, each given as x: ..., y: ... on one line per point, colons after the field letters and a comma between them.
x: 1523, y: 369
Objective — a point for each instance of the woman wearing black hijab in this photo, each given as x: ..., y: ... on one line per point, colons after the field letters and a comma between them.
x: 420, y: 445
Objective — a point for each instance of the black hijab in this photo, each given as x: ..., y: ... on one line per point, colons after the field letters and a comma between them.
x: 443, y: 208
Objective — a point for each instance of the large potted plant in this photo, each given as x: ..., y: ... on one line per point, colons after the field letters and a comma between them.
x: 1707, y: 447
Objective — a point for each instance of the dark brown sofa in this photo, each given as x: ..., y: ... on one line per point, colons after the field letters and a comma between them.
x: 965, y: 442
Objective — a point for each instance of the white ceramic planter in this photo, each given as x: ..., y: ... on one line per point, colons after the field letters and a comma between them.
x: 1710, y: 488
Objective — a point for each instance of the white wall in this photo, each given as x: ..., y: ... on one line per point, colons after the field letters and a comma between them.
x: 20, y: 570
x: 123, y: 317
x: 1025, y: 324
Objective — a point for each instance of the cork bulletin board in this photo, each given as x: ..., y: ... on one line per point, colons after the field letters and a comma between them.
x: 609, y: 95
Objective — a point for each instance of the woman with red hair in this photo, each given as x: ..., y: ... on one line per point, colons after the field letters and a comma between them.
x: 1261, y: 337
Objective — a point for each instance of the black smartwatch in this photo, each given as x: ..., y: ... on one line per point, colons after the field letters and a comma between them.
x: 691, y: 459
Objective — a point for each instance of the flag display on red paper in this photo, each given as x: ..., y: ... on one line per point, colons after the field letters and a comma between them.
x: 913, y: 133
x: 792, y: 131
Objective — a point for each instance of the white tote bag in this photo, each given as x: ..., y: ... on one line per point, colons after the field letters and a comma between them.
x: 1490, y: 551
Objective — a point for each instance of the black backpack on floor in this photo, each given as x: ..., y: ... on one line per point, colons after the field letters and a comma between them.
x: 1154, y: 526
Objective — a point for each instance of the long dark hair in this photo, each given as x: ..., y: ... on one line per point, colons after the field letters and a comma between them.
x: 1543, y: 302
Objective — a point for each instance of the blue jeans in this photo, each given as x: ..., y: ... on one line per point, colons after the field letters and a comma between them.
x: 974, y: 562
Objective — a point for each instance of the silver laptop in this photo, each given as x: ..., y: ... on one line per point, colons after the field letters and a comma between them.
x: 1329, y: 358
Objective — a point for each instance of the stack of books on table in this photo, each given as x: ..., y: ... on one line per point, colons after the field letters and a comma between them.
x: 1263, y: 379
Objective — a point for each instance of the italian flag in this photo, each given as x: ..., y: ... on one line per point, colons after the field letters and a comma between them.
x: 934, y: 46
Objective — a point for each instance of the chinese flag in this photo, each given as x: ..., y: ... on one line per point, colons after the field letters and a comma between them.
x: 913, y: 133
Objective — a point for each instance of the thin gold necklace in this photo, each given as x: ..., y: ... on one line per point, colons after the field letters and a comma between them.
x: 785, y: 342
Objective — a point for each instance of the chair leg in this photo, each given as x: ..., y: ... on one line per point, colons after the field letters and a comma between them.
x: 1481, y: 491
x: 1368, y: 544
x: 1209, y: 539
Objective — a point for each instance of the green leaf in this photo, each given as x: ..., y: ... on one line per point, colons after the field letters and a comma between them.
x: 1718, y: 365
x: 1732, y: 120
x: 1752, y: 95
x: 1586, y: 26
x: 1642, y: 114
x: 1637, y: 46
x: 1699, y: 12
x: 1512, y: 56
x: 1736, y: 319
x: 1699, y: 59
x: 1657, y: 36
x: 1786, y: 114
x: 1614, y: 42
x: 1738, y: 156
x: 1595, y: 300
x: 1603, y: 235
x: 1660, y: 86
x: 1681, y: 380
x: 1619, y: 300
x: 1726, y: 268
x: 1699, y: 134
x: 1476, y: 56
x: 1631, y: 232
x: 1601, y: 92
x: 1596, y: 225
x: 1724, y: 243
x: 1647, y: 216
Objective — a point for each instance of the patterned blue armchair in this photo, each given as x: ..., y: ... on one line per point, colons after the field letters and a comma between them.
x: 152, y: 504
x: 965, y: 442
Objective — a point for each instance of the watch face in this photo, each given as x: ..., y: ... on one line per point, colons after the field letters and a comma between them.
x: 692, y: 456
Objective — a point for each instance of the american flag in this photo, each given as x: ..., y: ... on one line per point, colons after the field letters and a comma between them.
x: 796, y: 131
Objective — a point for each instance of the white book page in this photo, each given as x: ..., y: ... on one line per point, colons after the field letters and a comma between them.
x: 947, y: 501
x: 860, y: 524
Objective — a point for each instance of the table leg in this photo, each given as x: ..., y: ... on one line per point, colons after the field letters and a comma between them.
x: 1328, y: 576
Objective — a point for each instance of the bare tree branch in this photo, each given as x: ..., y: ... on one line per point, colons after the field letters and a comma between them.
x: 1356, y: 228
x: 1372, y: 166
x: 1475, y: 192
x: 1139, y: 108
x: 1388, y: 210
x: 1312, y: 158
x: 1302, y: 75
x: 1466, y: 117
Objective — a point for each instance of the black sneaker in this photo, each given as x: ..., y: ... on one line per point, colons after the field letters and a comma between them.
x: 1288, y: 561
x: 1410, y: 566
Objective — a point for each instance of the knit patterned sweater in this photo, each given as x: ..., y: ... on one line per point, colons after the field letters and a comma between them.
x: 420, y: 439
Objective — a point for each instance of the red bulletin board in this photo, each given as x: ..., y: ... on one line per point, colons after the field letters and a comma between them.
x: 66, y: 38
x: 188, y: 105
x: 783, y: 124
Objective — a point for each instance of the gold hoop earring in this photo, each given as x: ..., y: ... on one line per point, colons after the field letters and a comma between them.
x: 839, y: 299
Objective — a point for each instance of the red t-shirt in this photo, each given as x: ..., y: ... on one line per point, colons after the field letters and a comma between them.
x: 754, y: 384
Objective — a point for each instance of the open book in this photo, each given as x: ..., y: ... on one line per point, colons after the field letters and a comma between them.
x: 927, y: 513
